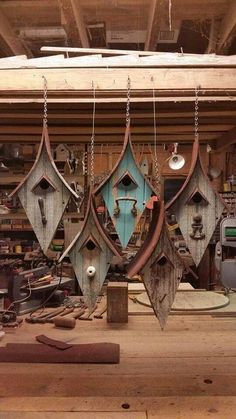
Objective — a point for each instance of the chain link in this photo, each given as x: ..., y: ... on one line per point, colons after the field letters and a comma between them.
x: 196, y: 114
x: 128, y: 102
x: 45, y: 105
x: 155, y: 159
x: 92, y: 139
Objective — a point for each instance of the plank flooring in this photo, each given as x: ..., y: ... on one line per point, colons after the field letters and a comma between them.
x: 186, y: 371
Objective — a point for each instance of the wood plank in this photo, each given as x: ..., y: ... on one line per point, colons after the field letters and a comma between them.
x: 72, y: 79
x: 172, y: 117
x: 74, y: 415
x: 71, y: 100
x: 100, y: 130
x: 111, y: 139
x: 153, y: 25
x: 74, y: 24
x: 216, y: 406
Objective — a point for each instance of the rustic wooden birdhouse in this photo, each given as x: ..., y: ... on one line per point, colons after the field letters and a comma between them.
x: 125, y: 192
x: 197, y: 207
x: 159, y: 264
x: 90, y: 253
x: 44, y: 194
x: 62, y: 153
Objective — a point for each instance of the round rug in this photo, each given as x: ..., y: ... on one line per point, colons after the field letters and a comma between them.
x: 192, y: 300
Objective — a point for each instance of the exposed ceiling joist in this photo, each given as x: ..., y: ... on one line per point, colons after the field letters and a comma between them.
x: 73, y: 22
x: 212, y: 44
x: 228, y: 28
x: 101, y: 139
x: 13, y: 44
x: 153, y: 27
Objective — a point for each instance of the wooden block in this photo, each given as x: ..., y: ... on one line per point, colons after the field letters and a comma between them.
x: 117, y: 302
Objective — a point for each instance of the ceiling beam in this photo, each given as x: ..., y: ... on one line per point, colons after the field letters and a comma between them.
x: 153, y: 26
x: 101, y: 139
x: 225, y: 140
x: 228, y: 28
x: 107, y: 130
x: 14, y: 45
x: 72, y: 18
x: 76, y: 80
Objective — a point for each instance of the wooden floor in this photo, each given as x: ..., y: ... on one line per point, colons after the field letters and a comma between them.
x: 186, y: 372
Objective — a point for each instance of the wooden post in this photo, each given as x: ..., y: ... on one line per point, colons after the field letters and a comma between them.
x: 117, y: 302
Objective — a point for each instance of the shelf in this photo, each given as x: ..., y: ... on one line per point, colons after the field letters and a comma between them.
x: 12, y: 254
x: 22, y: 216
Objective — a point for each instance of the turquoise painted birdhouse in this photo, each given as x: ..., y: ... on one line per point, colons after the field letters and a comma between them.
x: 125, y: 192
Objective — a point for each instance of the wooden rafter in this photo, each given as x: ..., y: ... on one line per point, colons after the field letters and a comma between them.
x: 153, y: 26
x: 73, y: 22
x: 228, y: 28
x: 212, y: 44
x: 13, y: 44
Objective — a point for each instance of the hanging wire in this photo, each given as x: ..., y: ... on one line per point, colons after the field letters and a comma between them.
x: 196, y: 123
x: 155, y: 159
x: 170, y: 18
x: 45, y: 105
x: 128, y: 102
x: 92, y: 138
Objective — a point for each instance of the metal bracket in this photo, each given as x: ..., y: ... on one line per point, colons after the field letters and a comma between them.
x: 42, y: 210
x: 134, y: 211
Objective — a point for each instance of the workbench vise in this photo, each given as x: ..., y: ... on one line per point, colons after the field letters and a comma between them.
x: 225, y: 253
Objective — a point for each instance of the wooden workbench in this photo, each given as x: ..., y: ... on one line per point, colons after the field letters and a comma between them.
x: 186, y: 371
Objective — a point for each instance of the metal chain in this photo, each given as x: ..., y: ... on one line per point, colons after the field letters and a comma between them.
x: 128, y: 102
x: 155, y: 159
x: 170, y: 18
x: 45, y: 105
x: 196, y: 114
x: 92, y: 139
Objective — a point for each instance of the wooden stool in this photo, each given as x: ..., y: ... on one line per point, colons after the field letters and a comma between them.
x: 117, y: 302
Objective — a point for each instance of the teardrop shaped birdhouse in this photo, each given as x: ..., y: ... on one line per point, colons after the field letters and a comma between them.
x: 44, y: 194
x: 125, y: 192
x: 90, y: 253
x: 159, y: 264
x: 197, y: 208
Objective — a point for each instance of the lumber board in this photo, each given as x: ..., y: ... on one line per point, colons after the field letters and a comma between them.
x: 110, y: 79
x: 166, y: 407
x: 73, y: 415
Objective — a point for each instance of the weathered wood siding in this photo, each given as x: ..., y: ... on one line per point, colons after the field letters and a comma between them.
x: 210, y: 211
x: 161, y: 281
x: 81, y: 258
x: 55, y: 201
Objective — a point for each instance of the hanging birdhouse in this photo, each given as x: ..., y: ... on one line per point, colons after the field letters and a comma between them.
x: 44, y: 194
x: 197, y: 208
x: 62, y: 153
x: 90, y: 253
x: 159, y: 264
x: 125, y: 192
